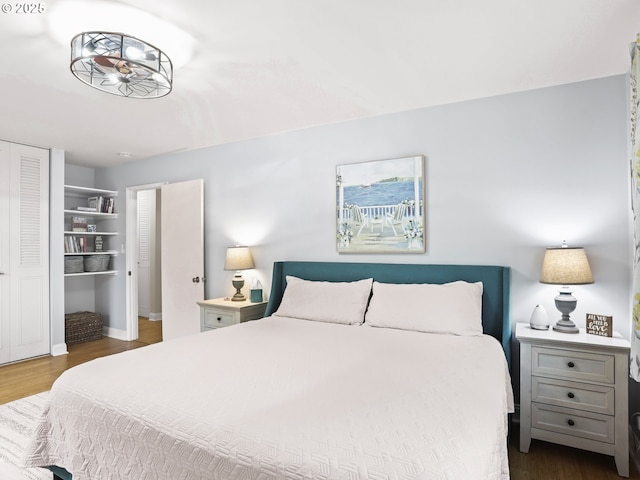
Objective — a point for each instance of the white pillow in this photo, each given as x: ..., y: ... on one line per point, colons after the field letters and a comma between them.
x: 334, y: 302
x: 454, y: 308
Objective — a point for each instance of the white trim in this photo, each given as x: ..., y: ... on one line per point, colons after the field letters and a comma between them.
x: 59, y: 349
x: 131, y: 265
x: 154, y: 317
x: 131, y: 242
x: 56, y: 246
x: 114, y: 333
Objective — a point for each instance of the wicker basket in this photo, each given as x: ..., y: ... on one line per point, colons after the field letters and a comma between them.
x: 82, y: 327
x: 73, y: 264
x: 96, y: 263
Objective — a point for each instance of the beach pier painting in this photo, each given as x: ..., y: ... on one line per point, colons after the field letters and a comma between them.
x: 380, y: 206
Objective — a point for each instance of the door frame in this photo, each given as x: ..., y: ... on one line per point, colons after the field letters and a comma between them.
x: 131, y: 263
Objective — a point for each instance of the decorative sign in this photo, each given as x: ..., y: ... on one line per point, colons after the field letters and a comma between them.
x: 599, y: 325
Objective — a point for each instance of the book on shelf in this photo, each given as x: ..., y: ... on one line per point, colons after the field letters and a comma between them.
x: 76, y: 244
x: 85, y: 209
x: 101, y: 204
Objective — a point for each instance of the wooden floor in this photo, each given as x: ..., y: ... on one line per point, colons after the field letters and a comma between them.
x: 21, y: 379
x: 545, y: 461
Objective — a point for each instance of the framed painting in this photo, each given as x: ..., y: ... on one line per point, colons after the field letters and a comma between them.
x: 380, y: 206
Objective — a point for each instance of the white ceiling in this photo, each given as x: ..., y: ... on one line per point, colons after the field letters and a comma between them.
x: 266, y: 66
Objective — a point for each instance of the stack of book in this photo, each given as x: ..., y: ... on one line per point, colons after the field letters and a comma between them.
x: 78, y: 224
x: 101, y: 204
x: 75, y: 244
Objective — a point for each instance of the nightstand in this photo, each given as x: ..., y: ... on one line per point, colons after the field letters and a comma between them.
x: 218, y: 312
x: 574, y: 391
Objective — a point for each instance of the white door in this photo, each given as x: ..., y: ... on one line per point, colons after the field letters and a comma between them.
x: 182, y: 257
x: 5, y: 257
x: 24, y: 288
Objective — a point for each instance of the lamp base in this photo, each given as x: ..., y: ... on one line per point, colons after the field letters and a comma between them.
x: 566, y: 327
x: 238, y: 283
x: 566, y: 303
x: 238, y: 297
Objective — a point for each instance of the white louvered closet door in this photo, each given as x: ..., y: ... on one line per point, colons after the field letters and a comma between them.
x: 145, y: 200
x: 24, y: 252
x: 5, y: 256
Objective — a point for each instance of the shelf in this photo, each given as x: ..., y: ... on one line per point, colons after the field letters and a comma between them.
x: 76, y: 191
x: 106, y: 252
x: 80, y: 213
x: 85, y: 274
x: 90, y: 233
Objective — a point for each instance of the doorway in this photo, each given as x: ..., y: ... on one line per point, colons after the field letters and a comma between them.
x: 148, y: 255
x: 181, y: 262
x: 139, y: 221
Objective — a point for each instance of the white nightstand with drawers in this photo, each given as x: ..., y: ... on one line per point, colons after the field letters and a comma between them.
x: 220, y: 312
x: 574, y: 391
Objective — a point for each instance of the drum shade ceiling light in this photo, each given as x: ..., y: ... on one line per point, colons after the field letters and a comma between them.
x: 121, y: 64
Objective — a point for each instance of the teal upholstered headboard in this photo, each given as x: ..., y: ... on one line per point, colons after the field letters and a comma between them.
x: 495, y: 280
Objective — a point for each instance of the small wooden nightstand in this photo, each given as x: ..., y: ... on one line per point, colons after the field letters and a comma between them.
x: 574, y: 391
x: 219, y: 312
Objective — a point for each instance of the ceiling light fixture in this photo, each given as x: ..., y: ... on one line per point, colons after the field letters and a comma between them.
x: 66, y: 18
x: 121, y: 64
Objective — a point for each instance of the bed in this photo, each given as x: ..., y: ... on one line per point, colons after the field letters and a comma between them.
x: 290, y: 397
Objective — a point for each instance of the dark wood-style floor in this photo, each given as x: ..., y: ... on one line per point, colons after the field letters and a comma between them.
x: 545, y: 461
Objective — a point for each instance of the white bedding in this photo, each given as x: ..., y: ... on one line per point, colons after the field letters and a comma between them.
x: 284, y: 398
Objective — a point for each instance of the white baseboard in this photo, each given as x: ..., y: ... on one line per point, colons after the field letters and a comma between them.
x: 114, y: 333
x: 59, y: 349
x: 155, y: 317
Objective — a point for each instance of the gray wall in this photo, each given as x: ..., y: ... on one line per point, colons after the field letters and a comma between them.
x: 506, y: 177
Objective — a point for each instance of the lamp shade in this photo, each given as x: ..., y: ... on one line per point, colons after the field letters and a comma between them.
x: 566, y: 266
x: 238, y: 258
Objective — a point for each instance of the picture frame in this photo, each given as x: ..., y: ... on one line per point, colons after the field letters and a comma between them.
x: 380, y: 206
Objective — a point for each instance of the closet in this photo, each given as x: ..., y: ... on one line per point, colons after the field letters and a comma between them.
x: 24, y: 252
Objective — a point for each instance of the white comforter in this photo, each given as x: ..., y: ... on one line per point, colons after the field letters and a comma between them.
x: 282, y: 398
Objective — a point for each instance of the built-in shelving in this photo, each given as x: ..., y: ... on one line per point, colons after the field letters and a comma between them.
x: 77, y: 191
x: 81, y: 274
x: 105, y: 252
x: 76, y: 203
x: 88, y: 234
x: 82, y: 213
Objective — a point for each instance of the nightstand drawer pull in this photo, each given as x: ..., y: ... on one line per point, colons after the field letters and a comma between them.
x: 571, y: 423
x: 571, y: 364
x: 570, y: 395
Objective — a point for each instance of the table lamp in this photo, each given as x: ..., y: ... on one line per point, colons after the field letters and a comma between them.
x: 565, y: 266
x: 238, y: 258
